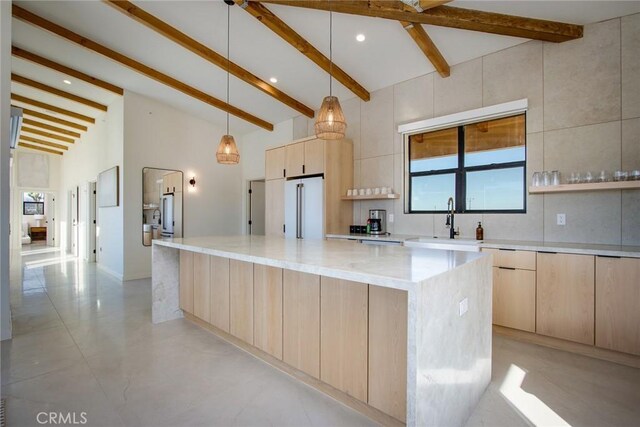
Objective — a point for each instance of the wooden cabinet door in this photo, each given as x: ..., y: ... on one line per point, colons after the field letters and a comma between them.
x: 166, y: 184
x: 313, y: 157
x: 201, y: 287
x: 274, y: 207
x: 514, y: 298
x: 267, y: 309
x: 294, y: 159
x: 343, y: 335
x: 241, y: 297
x: 219, y: 276
x: 301, y: 321
x: 176, y: 181
x: 388, y: 351
x: 274, y: 166
x: 186, y: 281
x: 618, y: 304
x: 565, y: 306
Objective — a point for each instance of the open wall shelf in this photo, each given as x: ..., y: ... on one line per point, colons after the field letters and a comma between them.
x: 373, y: 197
x: 593, y: 186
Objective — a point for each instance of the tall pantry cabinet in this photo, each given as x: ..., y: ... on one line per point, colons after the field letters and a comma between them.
x: 310, y: 157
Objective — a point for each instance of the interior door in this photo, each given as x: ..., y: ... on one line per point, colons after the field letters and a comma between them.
x: 92, y: 223
x: 257, y: 208
x: 74, y: 220
x: 50, y: 212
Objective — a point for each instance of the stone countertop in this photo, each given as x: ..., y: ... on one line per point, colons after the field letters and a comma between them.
x: 569, y: 248
x: 395, y: 267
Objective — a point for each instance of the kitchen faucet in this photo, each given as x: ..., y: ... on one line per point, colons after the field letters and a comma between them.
x: 450, y: 221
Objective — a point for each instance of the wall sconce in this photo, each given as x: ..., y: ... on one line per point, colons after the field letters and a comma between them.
x: 192, y: 183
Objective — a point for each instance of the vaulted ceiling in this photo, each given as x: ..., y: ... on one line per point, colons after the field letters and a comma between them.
x: 388, y: 55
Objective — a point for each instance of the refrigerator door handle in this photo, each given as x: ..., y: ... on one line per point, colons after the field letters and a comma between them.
x: 299, y: 211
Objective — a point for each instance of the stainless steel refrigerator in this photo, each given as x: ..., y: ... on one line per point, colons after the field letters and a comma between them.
x: 304, y: 208
x: 167, y: 211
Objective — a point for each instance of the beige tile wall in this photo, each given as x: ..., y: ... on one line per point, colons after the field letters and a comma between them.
x: 584, y: 114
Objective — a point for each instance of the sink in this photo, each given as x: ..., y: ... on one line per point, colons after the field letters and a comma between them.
x: 468, y: 245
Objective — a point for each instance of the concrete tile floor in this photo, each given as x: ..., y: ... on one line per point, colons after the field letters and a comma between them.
x: 84, y: 342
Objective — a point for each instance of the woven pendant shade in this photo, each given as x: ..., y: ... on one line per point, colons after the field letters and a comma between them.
x: 227, y: 153
x: 330, y: 123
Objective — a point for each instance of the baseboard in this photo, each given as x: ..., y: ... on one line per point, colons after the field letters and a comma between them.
x: 349, y: 401
x: 107, y: 270
x: 572, y: 347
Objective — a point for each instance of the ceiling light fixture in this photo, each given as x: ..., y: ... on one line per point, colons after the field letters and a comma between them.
x: 273, y: 80
x: 330, y: 123
x: 68, y: 82
x: 360, y: 37
x: 227, y: 153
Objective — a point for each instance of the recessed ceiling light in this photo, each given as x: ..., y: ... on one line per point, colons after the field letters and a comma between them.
x: 68, y: 82
x: 273, y: 80
x: 360, y: 37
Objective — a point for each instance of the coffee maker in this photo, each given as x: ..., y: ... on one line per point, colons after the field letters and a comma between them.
x: 378, y: 221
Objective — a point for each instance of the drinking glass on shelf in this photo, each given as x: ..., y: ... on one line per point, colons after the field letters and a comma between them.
x: 635, y: 175
x: 574, y: 178
x: 546, y: 178
x: 603, y: 177
x: 555, y: 178
x: 620, y: 176
x: 536, y: 181
x: 588, y: 177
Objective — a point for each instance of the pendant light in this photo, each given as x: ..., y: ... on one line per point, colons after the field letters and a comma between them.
x: 330, y: 123
x: 227, y: 153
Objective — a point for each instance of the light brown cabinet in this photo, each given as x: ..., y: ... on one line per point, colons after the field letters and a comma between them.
x: 241, y: 300
x: 275, y: 163
x: 186, y: 281
x: 220, y: 290
x: 274, y: 207
x: 388, y: 351
x: 301, y: 321
x: 201, y: 287
x: 294, y: 159
x: 267, y: 309
x: 313, y: 157
x: 172, y: 182
x: 514, y: 298
x: 566, y: 297
x: 618, y: 304
x: 521, y: 260
x: 343, y: 335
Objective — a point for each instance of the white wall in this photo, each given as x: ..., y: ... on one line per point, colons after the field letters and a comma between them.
x: 157, y: 135
x: 100, y: 148
x: 252, y: 147
x: 5, y: 112
x: 584, y: 115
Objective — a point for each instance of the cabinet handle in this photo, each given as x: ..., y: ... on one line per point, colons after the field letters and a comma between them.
x: 609, y: 256
x: 284, y: 173
x: 546, y: 252
x: 504, y: 249
x: 303, y: 168
x: 506, y: 268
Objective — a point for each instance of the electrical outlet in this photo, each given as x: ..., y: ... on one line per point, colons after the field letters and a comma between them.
x: 463, y: 306
x: 391, y: 217
x: 561, y: 219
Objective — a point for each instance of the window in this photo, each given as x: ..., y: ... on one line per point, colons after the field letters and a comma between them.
x: 481, y: 165
x: 33, y: 204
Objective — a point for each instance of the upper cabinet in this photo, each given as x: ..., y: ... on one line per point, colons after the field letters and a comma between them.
x: 313, y: 157
x: 275, y: 163
x: 172, y: 183
x: 294, y: 159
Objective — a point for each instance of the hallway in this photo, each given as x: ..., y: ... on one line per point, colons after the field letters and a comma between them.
x: 84, y: 342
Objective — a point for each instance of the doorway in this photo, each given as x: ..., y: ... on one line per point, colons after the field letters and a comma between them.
x: 73, y: 220
x: 256, y: 211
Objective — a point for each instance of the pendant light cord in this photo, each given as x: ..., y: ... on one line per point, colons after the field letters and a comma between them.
x: 330, y: 49
x: 228, y: 37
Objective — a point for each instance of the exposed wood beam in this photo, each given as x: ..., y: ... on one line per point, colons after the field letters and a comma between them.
x: 429, y: 4
x: 424, y: 42
x: 156, y: 75
x: 49, y: 118
x: 35, y: 103
x: 41, y: 86
x: 278, y: 26
x: 35, y: 147
x: 46, y: 134
x: 43, y: 142
x: 206, y: 53
x: 41, y: 125
x: 20, y: 53
x: 452, y: 17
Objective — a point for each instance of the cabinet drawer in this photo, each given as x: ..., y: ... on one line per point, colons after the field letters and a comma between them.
x: 514, y: 298
x: 523, y: 260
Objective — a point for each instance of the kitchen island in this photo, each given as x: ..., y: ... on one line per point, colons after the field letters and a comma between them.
x: 400, y: 334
